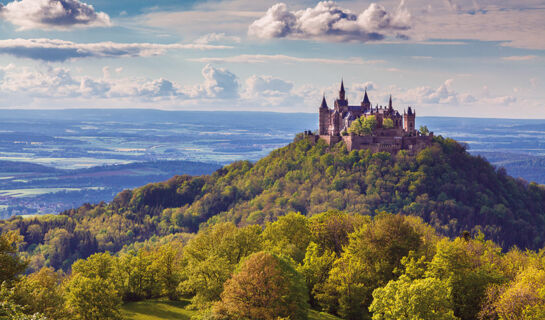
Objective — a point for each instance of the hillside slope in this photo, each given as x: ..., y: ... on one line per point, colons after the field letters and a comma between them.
x: 443, y: 184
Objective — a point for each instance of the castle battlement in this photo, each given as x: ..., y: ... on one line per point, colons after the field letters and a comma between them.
x: 400, y: 134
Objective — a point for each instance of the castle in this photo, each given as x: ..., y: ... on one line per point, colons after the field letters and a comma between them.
x: 390, y: 136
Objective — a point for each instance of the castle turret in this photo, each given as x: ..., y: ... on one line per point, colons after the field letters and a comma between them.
x: 324, y: 117
x: 341, y: 103
x: 365, y: 104
x: 409, y: 121
x: 390, y: 107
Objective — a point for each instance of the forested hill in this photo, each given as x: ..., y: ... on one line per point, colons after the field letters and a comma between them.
x: 443, y: 184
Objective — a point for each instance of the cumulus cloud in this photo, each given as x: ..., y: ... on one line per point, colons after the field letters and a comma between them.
x: 280, y: 58
x: 443, y: 94
x: 60, y: 83
x: 52, y: 14
x: 267, y: 86
x: 61, y: 50
x: 328, y: 21
x: 219, y: 83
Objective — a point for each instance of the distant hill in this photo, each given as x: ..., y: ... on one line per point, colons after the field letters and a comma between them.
x: 445, y: 185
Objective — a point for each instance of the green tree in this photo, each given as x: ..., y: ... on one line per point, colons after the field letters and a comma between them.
x: 92, y: 298
x: 468, y: 267
x: 167, y: 263
x: 316, y: 267
x: 264, y: 287
x: 365, y: 125
x: 41, y: 293
x: 373, y: 254
x: 424, y: 130
x: 289, y: 235
x: 211, y: 257
x: 387, y: 123
x: 11, y: 263
x: 406, y: 299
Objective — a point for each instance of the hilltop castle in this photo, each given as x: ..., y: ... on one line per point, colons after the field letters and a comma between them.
x: 391, y: 136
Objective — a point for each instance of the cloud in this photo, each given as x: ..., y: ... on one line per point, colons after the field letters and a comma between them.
x: 512, y: 23
x: 267, y: 86
x: 60, y: 83
x: 219, y: 82
x: 328, y: 21
x: 52, y: 14
x: 217, y: 38
x: 519, y: 58
x: 280, y: 58
x: 61, y: 50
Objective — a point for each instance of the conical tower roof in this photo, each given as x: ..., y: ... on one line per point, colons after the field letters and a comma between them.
x: 365, y: 97
x: 324, y: 103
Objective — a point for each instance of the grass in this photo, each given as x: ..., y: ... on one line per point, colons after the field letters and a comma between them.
x: 161, y: 309
x: 157, y: 310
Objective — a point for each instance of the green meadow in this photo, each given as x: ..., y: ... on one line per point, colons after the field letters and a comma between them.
x: 162, y: 309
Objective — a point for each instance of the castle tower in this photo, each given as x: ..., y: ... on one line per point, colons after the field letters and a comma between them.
x: 409, y: 121
x: 366, y: 104
x: 324, y: 117
x: 341, y: 102
x: 390, y: 107
x: 335, y: 126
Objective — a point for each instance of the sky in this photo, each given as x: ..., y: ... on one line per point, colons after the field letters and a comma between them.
x: 465, y: 58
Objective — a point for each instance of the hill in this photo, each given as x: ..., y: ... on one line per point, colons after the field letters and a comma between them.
x: 443, y: 184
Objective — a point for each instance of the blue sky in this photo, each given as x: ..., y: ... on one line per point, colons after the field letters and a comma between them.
x: 480, y: 58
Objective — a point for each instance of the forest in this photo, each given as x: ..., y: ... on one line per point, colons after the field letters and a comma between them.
x: 433, y: 235
x: 353, y: 266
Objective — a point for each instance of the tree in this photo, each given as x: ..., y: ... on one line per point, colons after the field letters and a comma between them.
x: 369, y: 125
x: 373, y: 254
x: 92, y: 298
x: 387, y: 123
x: 41, y: 293
x: 265, y: 287
x: 211, y: 257
x: 167, y: 264
x: 365, y: 125
x: 289, y: 235
x: 11, y: 263
x: 424, y: 130
x: 316, y: 267
x: 406, y: 299
x: 330, y: 229
x: 468, y: 267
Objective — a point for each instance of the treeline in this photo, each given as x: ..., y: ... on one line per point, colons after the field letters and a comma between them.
x: 354, y: 266
x: 444, y: 185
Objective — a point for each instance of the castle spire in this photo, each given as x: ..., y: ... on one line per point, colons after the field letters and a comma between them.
x: 324, y: 103
x: 341, y: 92
x: 390, y: 103
x: 365, y: 97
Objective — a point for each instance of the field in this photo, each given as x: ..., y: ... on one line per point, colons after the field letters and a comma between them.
x: 167, y: 310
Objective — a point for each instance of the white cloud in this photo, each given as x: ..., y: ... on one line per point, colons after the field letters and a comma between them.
x: 52, y: 14
x: 61, y: 50
x: 217, y: 38
x: 519, y: 58
x: 328, y: 21
x: 60, y: 83
x: 267, y: 86
x: 513, y: 23
x: 280, y: 58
